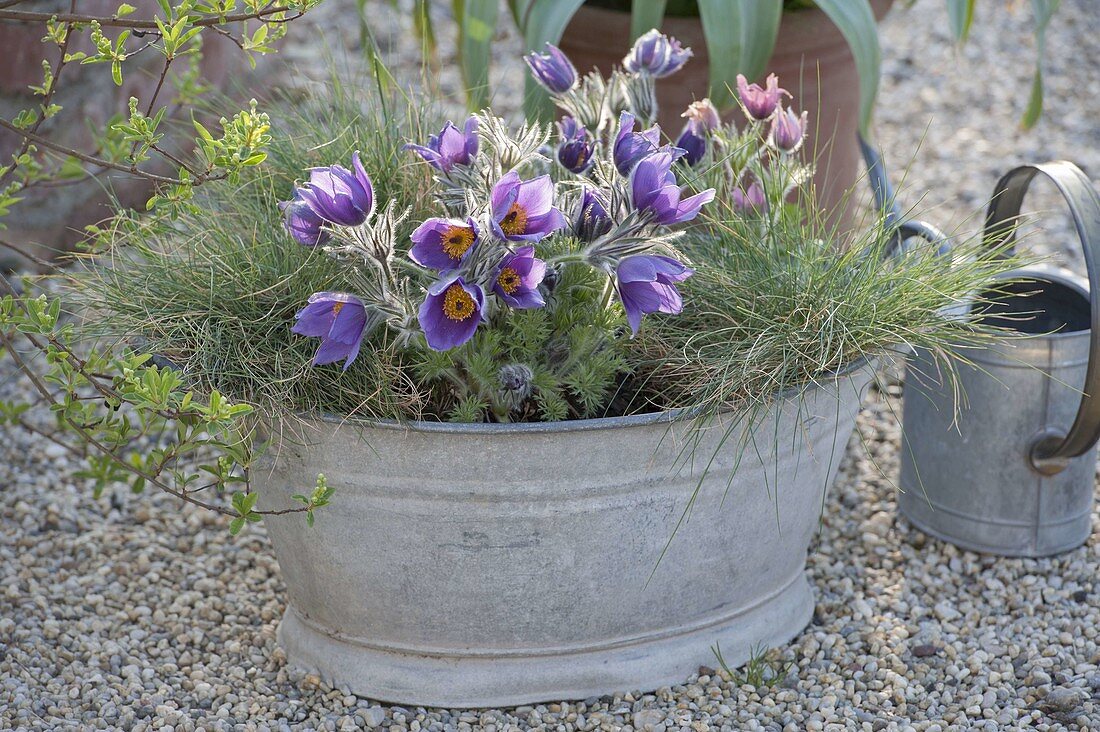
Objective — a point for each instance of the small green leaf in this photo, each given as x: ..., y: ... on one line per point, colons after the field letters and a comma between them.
x: 236, y: 525
x: 960, y: 14
x: 1044, y: 10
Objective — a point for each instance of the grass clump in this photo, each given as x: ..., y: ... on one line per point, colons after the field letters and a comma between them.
x: 775, y: 303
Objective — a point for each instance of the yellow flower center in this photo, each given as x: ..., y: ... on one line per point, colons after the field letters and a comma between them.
x: 509, y: 280
x: 337, y: 307
x: 515, y: 221
x: 456, y: 240
x: 457, y: 303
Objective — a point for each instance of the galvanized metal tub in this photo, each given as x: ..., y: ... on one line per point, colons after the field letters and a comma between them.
x: 490, y: 565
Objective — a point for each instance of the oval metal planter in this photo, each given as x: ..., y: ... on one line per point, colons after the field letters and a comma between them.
x: 495, y: 565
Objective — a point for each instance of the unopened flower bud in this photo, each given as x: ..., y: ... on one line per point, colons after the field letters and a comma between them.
x: 704, y: 114
x: 788, y: 130
x: 516, y: 382
x: 552, y: 70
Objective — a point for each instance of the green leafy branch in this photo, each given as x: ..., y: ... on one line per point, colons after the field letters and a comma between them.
x: 176, y: 32
x: 133, y: 422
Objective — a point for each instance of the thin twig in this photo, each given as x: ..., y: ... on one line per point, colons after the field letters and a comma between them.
x: 135, y: 23
x: 151, y: 478
x: 47, y: 99
x: 91, y: 440
x: 51, y: 437
x: 18, y: 250
x: 132, y: 168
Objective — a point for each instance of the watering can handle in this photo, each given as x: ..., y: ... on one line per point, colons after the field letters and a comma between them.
x: 1051, y: 454
x: 900, y: 228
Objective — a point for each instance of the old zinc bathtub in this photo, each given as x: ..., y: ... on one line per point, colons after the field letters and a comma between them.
x: 493, y: 565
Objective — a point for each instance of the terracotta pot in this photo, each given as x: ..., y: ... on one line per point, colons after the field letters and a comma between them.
x: 812, y: 61
x: 51, y: 219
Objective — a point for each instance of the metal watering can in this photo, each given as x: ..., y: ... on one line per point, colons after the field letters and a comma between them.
x: 1003, y: 460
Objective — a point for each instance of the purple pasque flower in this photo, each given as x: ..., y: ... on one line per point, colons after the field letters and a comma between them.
x: 760, y: 103
x: 339, y: 320
x: 451, y: 312
x: 577, y: 145
x: 338, y: 195
x: 693, y: 141
x: 656, y: 54
x: 450, y: 147
x: 444, y: 244
x: 752, y: 200
x: 552, y: 70
x: 518, y: 278
x: 302, y: 223
x: 523, y: 210
x: 647, y: 284
x: 591, y: 221
x: 653, y: 188
x: 788, y: 130
x: 631, y: 146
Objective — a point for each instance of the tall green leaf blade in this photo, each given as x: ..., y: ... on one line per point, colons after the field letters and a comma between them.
x: 856, y: 22
x: 1044, y: 11
x: 422, y: 26
x: 759, y: 29
x: 645, y: 15
x: 475, y: 31
x: 740, y: 38
x: 960, y: 15
x: 723, y: 32
x: 541, y: 22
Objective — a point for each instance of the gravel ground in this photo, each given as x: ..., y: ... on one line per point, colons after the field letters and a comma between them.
x: 135, y: 613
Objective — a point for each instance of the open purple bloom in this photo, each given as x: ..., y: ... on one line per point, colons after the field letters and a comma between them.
x: 647, y: 284
x: 656, y: 54
x: 631, y: 146
x: 653, y: 188
x: 450, y: 147
x: 693, y: 141
x: 577, y: 146
x: 523, y: 210
x: 338, y: 195
x: 788, y: 130
x: 591, y: 221
x: 451, y: 312
x: 760, y: 103
x: 302, y: 223
x: 339, y: 320
x: 443, y: 244
x: 752, y: 200
x: 518, y: 279
x: 552, y: 70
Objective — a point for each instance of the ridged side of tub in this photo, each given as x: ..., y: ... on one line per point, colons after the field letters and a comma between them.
x: 471, y: 566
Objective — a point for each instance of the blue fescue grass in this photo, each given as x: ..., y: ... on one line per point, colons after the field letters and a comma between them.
x: 215, y: 290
